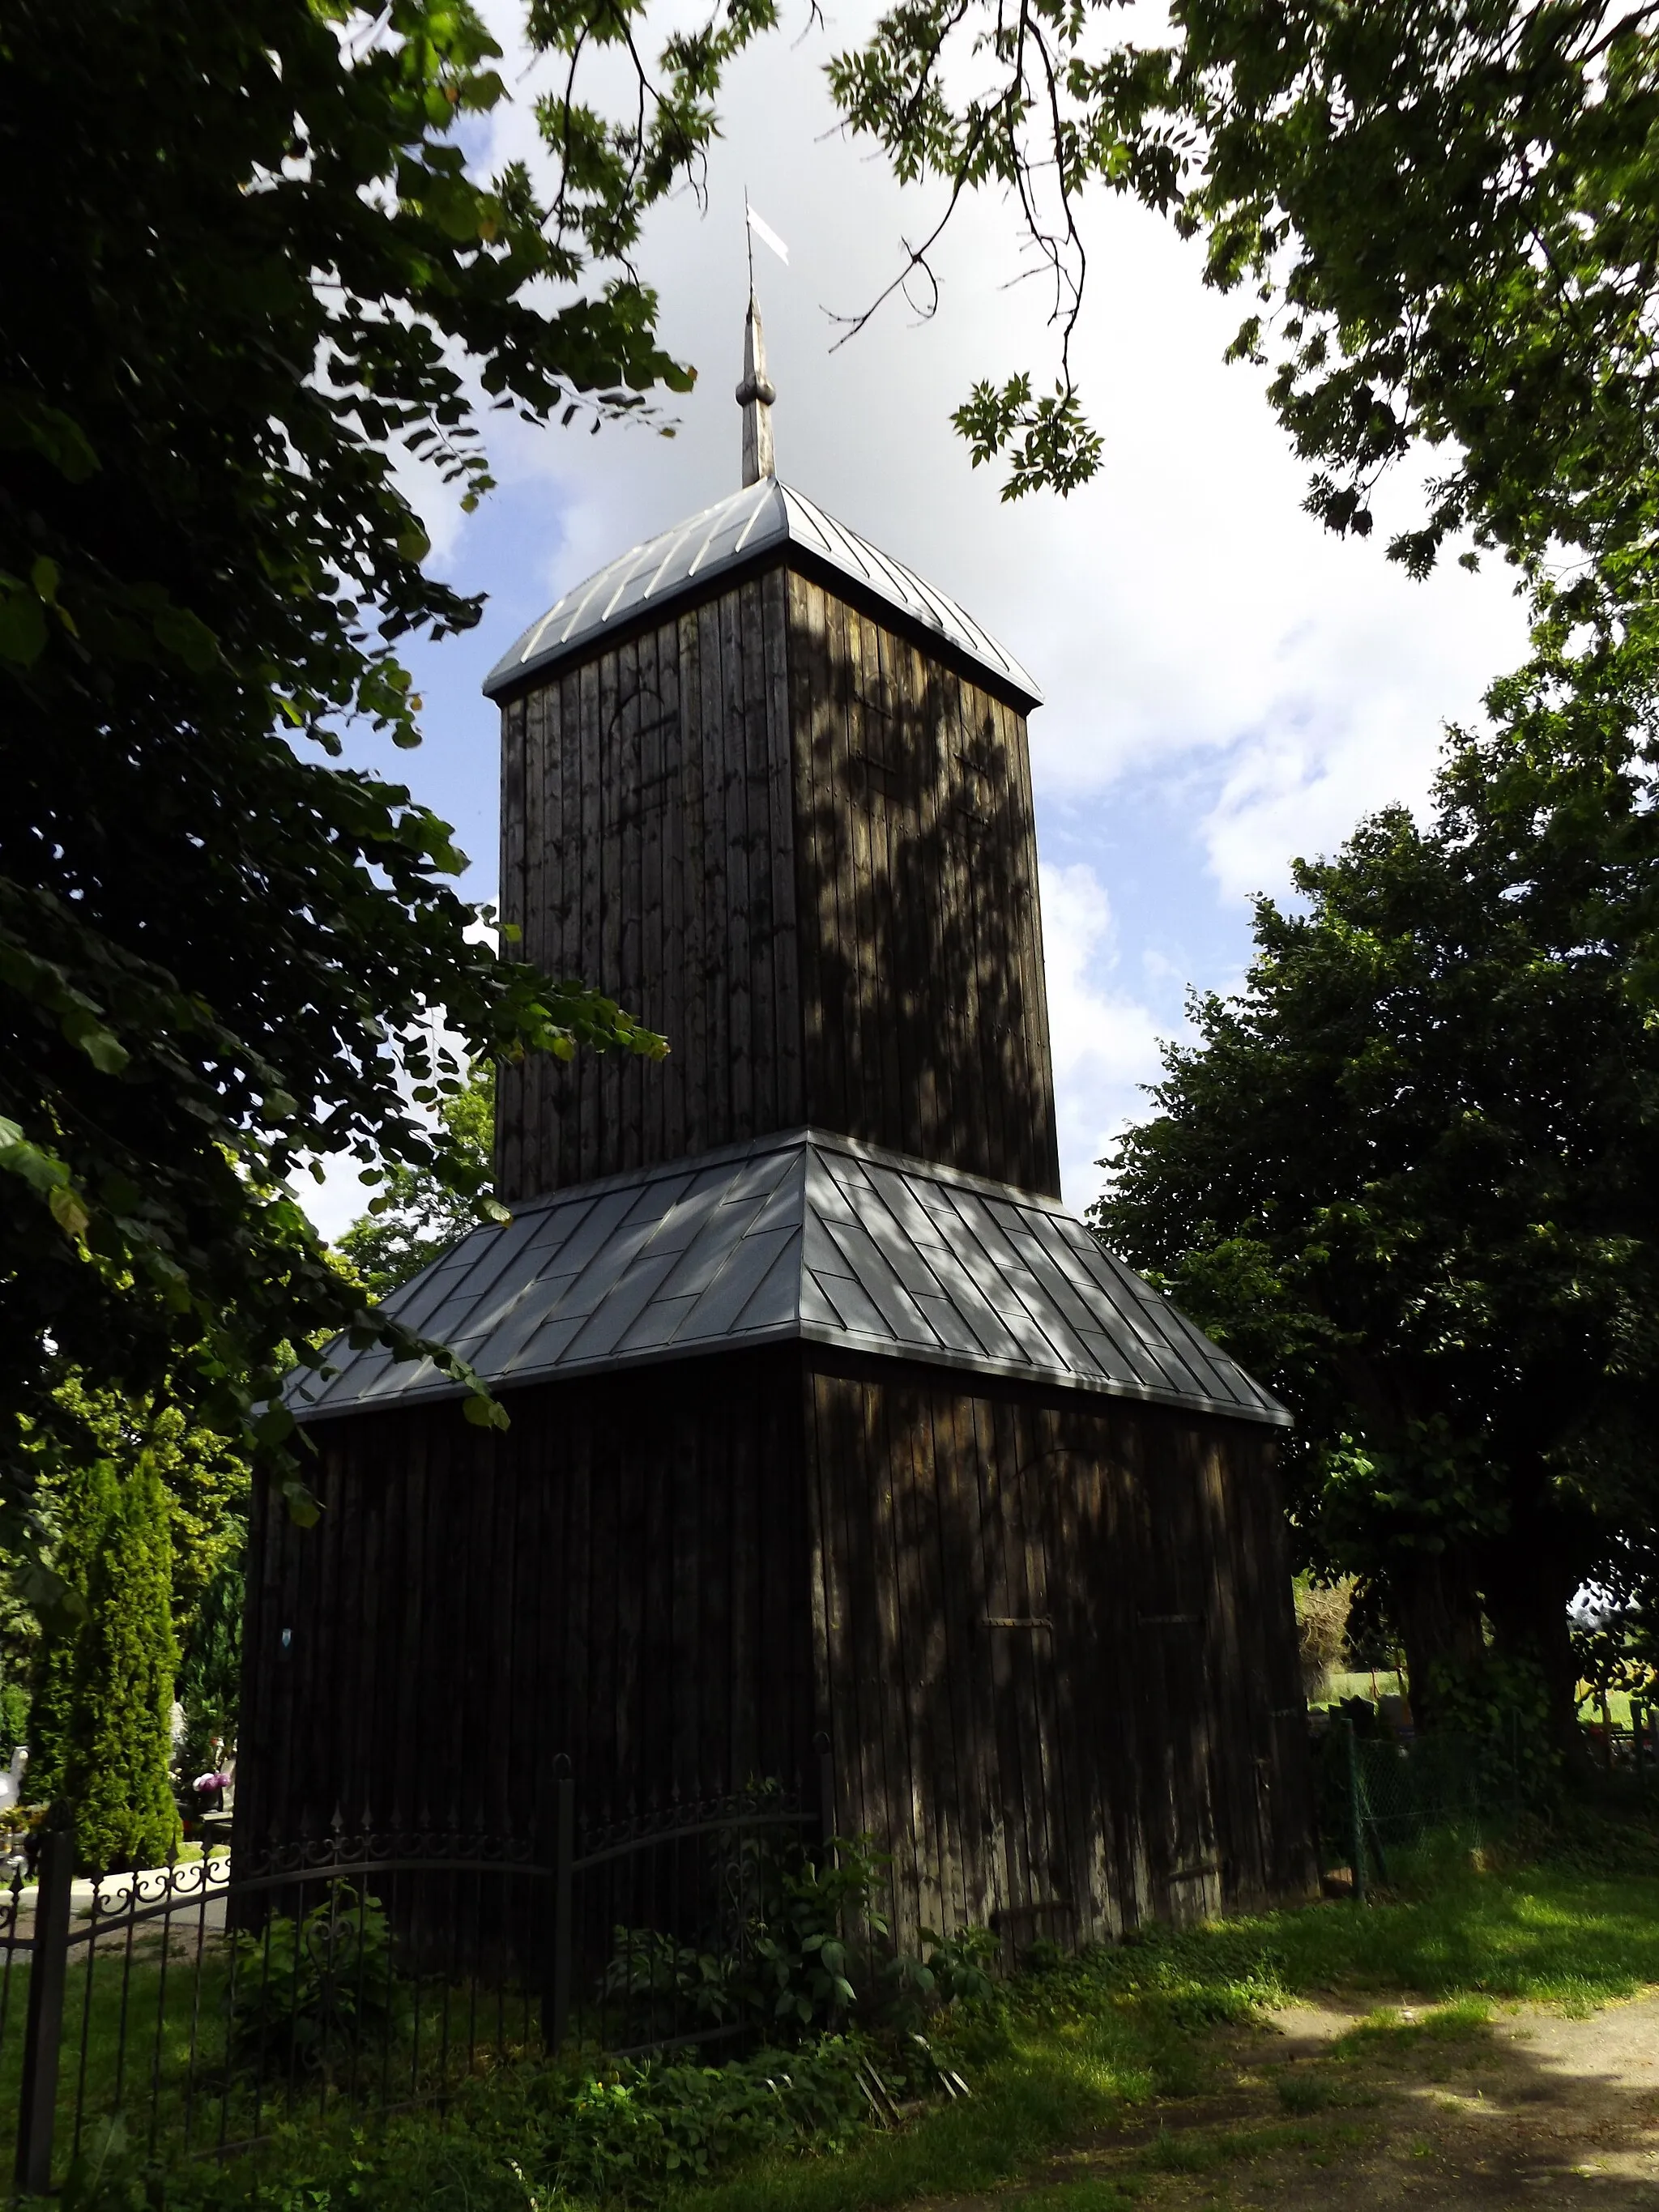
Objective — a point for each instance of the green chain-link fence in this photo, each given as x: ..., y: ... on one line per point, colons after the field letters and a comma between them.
x: 1378, y: 1797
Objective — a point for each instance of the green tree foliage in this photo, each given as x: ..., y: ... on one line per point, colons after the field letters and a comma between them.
x: 205, y: 1480
x: 85, y: 1506
x: 248, y: 270
x: 1445, y: 212
x: 211, y: 1670
x: 1409, y: 1175
x: 204, y: 1486
x: 117, y: 1777
x: 415, y: 1217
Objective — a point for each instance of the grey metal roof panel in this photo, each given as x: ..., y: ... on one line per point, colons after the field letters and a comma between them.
x: 658, y: 576
x: 805, y: 1236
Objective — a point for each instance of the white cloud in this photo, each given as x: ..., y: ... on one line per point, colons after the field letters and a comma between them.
x: 337, y: 1201
x: 1104, y: 1041
x: 1200, y: 640
x: 1185, y: 617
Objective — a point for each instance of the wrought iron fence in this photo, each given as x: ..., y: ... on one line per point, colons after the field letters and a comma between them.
x: 206, y: 2002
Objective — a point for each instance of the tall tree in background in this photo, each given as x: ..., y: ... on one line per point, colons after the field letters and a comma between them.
x: 1443, y: 220
x: 117, y: 1777
x: 210, y: 1671
x: 1410, y: 1174
x: 248, y: 270
x: 1444, y: 215
x: 415, y: 1217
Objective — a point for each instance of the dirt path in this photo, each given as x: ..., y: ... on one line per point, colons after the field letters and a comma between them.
x: 1333, y: 2109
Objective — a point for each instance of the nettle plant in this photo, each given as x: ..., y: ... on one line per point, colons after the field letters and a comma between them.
x: 798, y: 1948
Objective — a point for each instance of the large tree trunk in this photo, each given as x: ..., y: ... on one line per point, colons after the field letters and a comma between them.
x: 1438, y: 1606
x: 1532, y: 1578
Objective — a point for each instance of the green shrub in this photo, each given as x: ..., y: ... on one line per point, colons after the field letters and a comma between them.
x: 120, y: 1751
x: 797, y: 1934
x: 659, y: 1986
x: 311, y: 1995
x: 91, y: 1495
x: 798, y: 1943
x: 632, y: 2129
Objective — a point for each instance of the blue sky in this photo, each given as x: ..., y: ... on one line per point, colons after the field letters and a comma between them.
x: 1226, y: 686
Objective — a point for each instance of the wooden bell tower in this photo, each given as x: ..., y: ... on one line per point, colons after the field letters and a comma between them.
x: 828, y: 1422
x: 774, y: 792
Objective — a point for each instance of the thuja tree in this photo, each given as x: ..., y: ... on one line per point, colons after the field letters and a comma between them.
x: 204, y: 1476
x: 1410, y: 1173
x: 117, y: 1777
x: 247, y: 268
x: 84, y: 1505
x: 202, y: 1485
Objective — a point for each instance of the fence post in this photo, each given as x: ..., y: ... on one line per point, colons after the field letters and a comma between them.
x: 1356, y: 1819
x: 37, y: 2101
x: 564, y: 1852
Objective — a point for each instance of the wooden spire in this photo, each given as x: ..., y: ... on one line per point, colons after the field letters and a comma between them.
x: 756, y: 397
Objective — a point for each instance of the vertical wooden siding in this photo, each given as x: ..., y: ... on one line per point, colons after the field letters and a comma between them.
x: 805, y: 850
x: 1057, y: 1656
x: 646, y: 846
x: 1051, y: 1638
x: 618, y: 1576
x: 926, y: 1023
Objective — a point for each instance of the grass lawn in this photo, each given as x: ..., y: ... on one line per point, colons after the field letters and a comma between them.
x: 1619, y: 1704
x: 1129, y: 2046
x: 1099, y: 2042
x: 1364, y: 1682
x: 151, y: 2045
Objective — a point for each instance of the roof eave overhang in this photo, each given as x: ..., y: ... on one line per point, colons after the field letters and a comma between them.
x: 835, y: 1340
x: 698, y: 590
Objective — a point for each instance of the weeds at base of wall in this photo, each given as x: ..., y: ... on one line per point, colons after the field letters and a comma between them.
x: 1569, y: 1915
x: 526, y: 2135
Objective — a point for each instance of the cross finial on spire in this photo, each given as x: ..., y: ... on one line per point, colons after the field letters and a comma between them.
x: 756, y: 397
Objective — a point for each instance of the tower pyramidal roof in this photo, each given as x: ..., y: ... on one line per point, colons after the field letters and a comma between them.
x: 754, y: 528
x: 853, y: 1144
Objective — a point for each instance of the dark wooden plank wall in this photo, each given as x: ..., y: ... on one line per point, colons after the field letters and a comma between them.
x: 1057, y: 1653
x: 620, y: 1575
x: 646, y: 845
x: 805, y: 850
x: 1051, y: 1638
x: 926, y: 1024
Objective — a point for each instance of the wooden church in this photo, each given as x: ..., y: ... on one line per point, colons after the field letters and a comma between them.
x: 828, y: 1421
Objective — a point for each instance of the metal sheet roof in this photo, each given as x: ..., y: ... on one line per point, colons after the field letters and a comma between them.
x: 736, y: 532
x: 806, y: 1235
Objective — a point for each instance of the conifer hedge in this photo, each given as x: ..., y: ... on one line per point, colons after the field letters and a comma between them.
x: 117, y: 1778
x: 90, y: 1498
